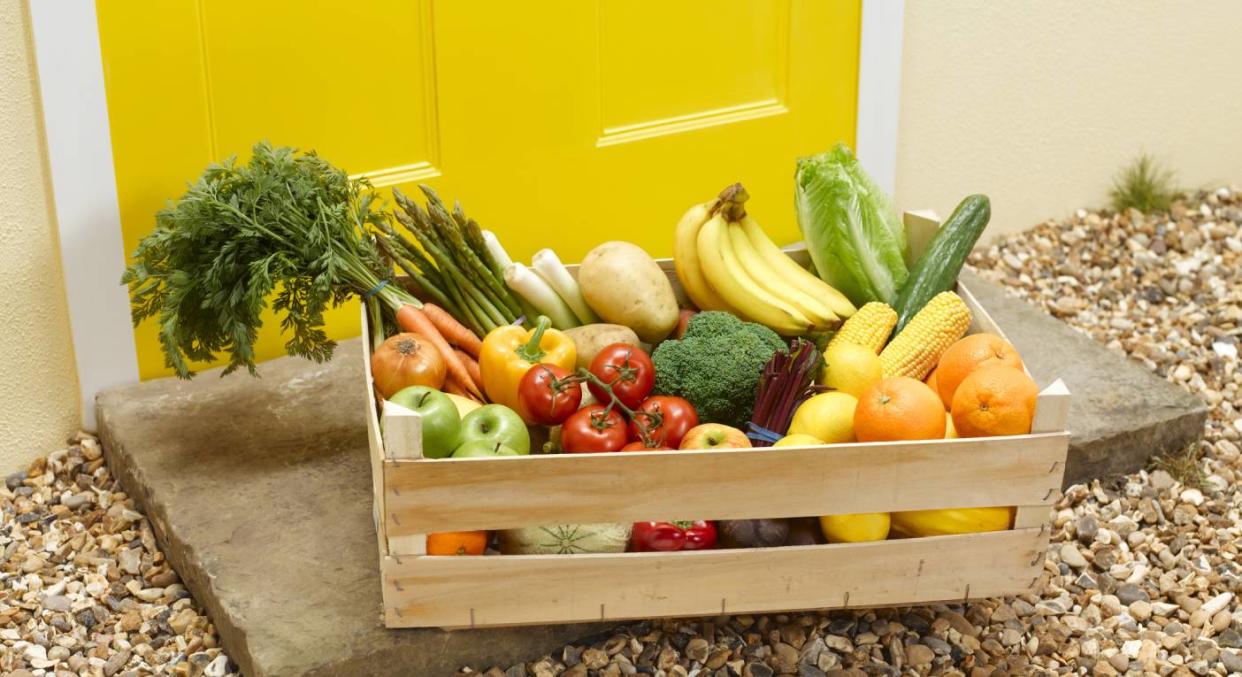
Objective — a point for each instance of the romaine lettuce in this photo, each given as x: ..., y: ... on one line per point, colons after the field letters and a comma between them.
x: 852, y: 229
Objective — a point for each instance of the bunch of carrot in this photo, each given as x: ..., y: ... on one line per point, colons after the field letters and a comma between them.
x: 458, y: 345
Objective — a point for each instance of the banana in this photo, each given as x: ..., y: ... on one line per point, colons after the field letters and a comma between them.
x: 815, y: 310
x: 686, y: 258
x: 730, y: 280
x: 793, y: 273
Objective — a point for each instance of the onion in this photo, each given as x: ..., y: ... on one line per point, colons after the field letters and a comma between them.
x: 406, y: 360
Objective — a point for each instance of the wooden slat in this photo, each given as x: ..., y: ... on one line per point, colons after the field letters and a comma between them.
x: 921, y: 227
x: 980, y: 321
x: 374, y: 439
x: 497, y: 493
x: 515, y: 590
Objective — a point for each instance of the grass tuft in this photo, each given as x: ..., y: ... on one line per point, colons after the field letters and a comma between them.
x: 1185, y: 465
x: 1144, y: 185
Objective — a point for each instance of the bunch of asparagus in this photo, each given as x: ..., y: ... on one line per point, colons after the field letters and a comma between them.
x: 446, y: 255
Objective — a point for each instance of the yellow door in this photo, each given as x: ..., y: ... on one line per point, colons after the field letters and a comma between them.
x: 557, y: 124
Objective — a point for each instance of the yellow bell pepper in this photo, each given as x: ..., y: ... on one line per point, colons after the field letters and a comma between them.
x: 919, y: 523
x: 509, y: 352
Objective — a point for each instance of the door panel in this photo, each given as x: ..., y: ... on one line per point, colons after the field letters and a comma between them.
x: 355, y: 87
x: 673, y: 60
x: 561, y: 123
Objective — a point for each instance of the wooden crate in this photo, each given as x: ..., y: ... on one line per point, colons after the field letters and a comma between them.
x: 415, y: 496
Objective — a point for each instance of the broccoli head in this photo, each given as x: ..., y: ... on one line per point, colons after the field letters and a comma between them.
x: 716, y: 366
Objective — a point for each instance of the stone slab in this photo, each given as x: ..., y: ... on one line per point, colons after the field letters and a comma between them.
x: 1121, y: 414
x: 259, y: 492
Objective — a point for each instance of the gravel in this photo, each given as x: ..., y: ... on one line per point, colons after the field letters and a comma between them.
x: 1143, y: 571
x: 1142, y: 576
x: 86, y: 590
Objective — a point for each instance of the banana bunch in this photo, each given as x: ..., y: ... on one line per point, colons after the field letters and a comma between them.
x: 726, y: 262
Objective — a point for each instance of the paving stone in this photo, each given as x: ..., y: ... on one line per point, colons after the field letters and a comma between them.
x: 1120, y: 413
x: 259, y: 491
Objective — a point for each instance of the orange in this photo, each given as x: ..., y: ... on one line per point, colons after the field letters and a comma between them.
x: 457, y: 543
x: 969, y: 354
x: 994, y: 400
x: 899, y: 408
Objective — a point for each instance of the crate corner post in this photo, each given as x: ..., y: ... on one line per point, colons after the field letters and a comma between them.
x: 402, y: 435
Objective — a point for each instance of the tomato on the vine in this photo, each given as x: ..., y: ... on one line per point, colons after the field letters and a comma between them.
x: 639, y: 445
x: 593, y: 429
x: 628, y: 369
x: 668, y: 419
x: 546, y: 396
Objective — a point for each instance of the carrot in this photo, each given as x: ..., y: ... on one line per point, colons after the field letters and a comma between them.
x: 471, y: 366
x: 453, y: 331
x: 451, y: 387
x: 455, y: 388
x: 412, y: 319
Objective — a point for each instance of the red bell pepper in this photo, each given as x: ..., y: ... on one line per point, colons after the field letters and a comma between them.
x: 670, y: 536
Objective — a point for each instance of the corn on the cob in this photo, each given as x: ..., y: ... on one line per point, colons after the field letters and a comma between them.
x: 869, y: 327
x: 916, y: 350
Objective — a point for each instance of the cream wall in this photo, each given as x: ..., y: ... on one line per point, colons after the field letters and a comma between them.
x: 38, y: 384
x: 1038, y: 104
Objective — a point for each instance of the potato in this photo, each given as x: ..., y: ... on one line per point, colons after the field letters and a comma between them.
x: 624, y: 285
x: 591, y: 338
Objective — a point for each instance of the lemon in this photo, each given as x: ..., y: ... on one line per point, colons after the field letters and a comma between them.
x: 856, y: 528
x: 828, y: 417
x: 950, y: 433
x: 464, y: 405
x: 801, y: 440
x: 851, y: 368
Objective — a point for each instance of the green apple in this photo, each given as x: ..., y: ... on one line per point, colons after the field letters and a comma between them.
x: 482, y: 449
x: 441, y: 422
x: 496, y: 423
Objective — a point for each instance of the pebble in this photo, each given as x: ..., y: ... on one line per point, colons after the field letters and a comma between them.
x: 1140, y: 610
x: 918, y: 654
x: 1161, y: 480
x: 1129, y: 594
x: 1087, y: 526
x: 1230, y: 638
x: 1217, y: 603
x: 1071, y: 556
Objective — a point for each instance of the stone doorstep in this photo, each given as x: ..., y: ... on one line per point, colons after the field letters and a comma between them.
x: 230, y: 468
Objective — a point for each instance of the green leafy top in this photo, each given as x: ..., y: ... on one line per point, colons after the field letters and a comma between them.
x: 285, y: 222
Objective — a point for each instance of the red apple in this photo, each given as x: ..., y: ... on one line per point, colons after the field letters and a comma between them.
x: 714, y: 436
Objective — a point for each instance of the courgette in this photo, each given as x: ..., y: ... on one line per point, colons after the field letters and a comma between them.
x: 936, y: 270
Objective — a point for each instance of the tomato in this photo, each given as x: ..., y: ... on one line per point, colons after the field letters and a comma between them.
x: 591, y: 430
x: 639, y: 445
x: 547, y: 402
x: 627, y: 369
x: 675, y: 417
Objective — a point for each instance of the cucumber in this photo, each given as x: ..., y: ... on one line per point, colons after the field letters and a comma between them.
x: 937, y: 269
